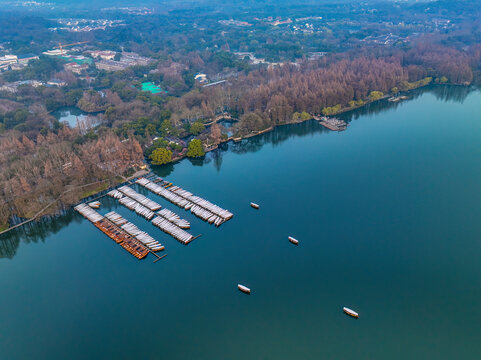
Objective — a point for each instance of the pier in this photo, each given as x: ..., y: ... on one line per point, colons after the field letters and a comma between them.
x: 141, y: 199
x: 201, y: 208
x: 176, y: 232
x: 133, y: 230
x: 132, y: 204
x: 333, y: 124
x: 174, y: 218
x: 166, y: 220
x: 138, y: 242
x: 122, y: 237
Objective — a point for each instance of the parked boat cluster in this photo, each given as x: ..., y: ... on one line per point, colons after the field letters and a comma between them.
x: 167, y: 221
x: 132, y: 204
x: 173, y: 230
x: 141, y: 199
x: 116, y: 233
x: 115, y: 194
x: 161, y: 191
x: 174, y: 218
x: 89, y: 213
x: 133, y: 230
x: 214, y: 209
x: 138, y: 242
x: 202, y: 208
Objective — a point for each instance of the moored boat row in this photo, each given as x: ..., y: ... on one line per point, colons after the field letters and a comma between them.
x: 133, y: 230
x: 174, y: 218
x: 202, y: 208
x: 121, y: 237
x: 173, y: 230
x: 141, y: 199
x: 132, y: 204
x: 88, y: 212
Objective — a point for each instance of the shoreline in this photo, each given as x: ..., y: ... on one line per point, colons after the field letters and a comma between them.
x: 97, y: 195
x: 313, y: 117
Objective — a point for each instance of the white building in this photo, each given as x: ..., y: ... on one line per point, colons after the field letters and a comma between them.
x: 103, y: 54
x: 7, y: 60
x: 202, y: 78
x: 55, y: 52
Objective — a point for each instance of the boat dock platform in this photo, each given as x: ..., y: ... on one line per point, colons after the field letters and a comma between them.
x: 166, y: 220
x: 130, y: 243
x: 201, y: 208
x: 333, y: 124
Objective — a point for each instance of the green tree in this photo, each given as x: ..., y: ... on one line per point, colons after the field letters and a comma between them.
x: 161, y: 156
x: 166, y: 127
x: 196, y: 128
x: 332, y: 110
x: 195, y: 148
x: 376, y: 95
x: 305, y: 116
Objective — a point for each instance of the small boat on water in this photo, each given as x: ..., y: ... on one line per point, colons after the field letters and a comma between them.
x: 254, y: 205
x: 244, y: 289
x: 350, y: 312
x: 95, y: 204
x: 294, y: 241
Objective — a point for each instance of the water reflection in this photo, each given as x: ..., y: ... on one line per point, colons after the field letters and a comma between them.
x: 34, y: 232
x: 40, y: 231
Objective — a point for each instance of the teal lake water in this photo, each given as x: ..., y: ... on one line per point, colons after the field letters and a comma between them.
x: 388, y: 218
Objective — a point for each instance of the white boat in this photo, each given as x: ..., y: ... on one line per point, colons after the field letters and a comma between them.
x: 244, y: 289
x: 254, y: 205
x: 350, y: 312
x: 95, y: 204
x: 294, y: 241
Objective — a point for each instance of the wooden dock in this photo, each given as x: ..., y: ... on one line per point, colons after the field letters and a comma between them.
x: 116, y: 233
x: 122, y: 238
x: 333, y: 124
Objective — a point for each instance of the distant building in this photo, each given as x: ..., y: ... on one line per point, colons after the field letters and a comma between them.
x: 281, y: 22
x: 202, y: 78
x: 134, y: 59
x: 13, y: 87
x: 55, y: 52
x: 9, y: 88
x: 79, y: 59
x: 127, y: 59
x: 7, y: 61
x: 56, y: 82
x: 24, y: 59
x: 75, y: 68
x: 102, y: 54
x: 109, y: 65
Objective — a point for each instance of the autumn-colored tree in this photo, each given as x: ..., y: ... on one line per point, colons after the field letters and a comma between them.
x: 215, y: 132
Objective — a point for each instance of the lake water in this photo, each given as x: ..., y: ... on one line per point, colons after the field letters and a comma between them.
x: 388, y: 218
x: 73, y: 116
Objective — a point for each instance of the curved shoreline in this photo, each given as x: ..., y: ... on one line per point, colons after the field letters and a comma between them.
x: 214, y: 147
